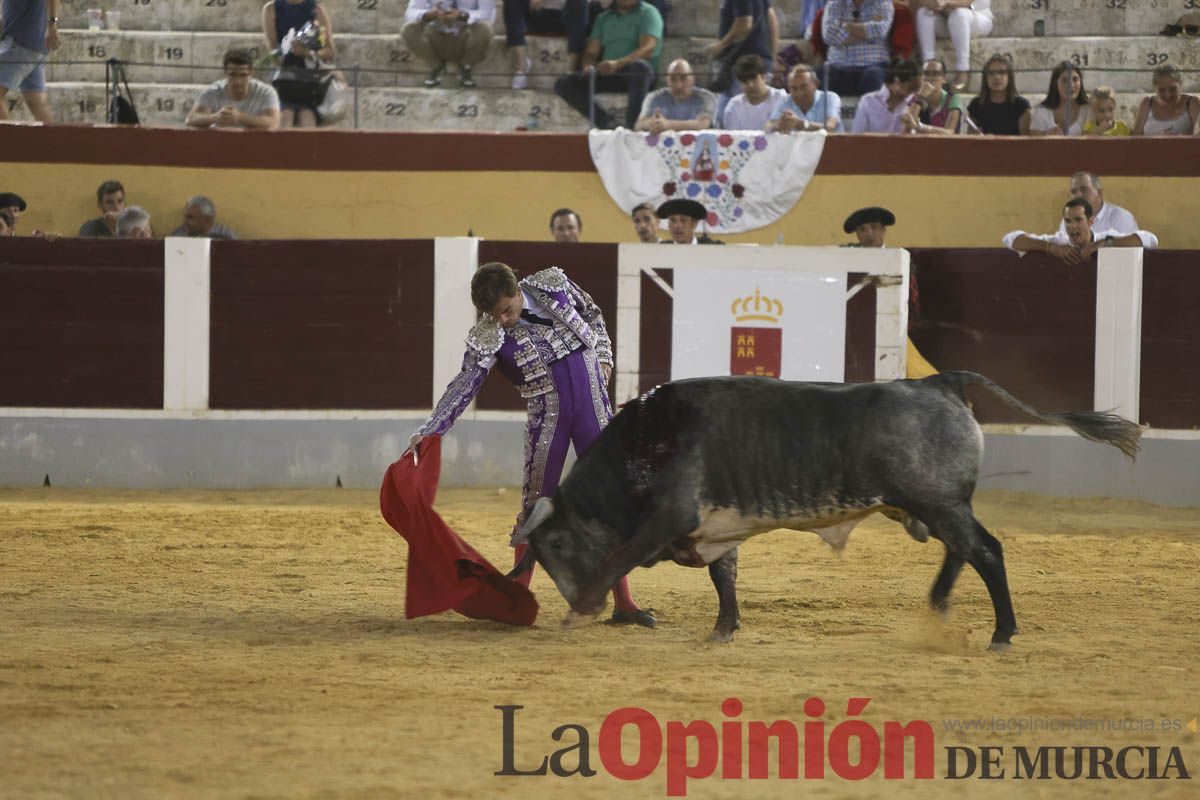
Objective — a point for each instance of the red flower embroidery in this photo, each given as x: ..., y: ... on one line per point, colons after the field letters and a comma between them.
x: 669, y: 188
x: 687, y: 138
x: 725, y: 140
x: 738, y: 190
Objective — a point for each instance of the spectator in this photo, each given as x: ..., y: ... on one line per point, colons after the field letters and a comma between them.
x: 1108, y: 217
x: 237, y: 100
x: 278, y: 18
x: 884, y: 110
x: 8, y: 225
x: 645, y: 223
x: 869, y: 225
x: 134, y: 223
x: 682, y: 216
x: 753, y: 108
x: 461, y: 34
x: 856, y: 33
x: 566, y: 226
x: 902, y: 36
x: 558, y: 17
x: 1078, y: 237
x: 200, y: 221
x: 15, y: 204
x: 1066, y: 91
x: 1104, y: 120
x: 746, y: 27
x: 938, y: 112
x: 110, y: 199
x: 30, y: 33
x: 999, y: 109
x: 622, y: 56
x: 957, y: 19
x: 680, y: 106
x: 1167, y: 111
x: 808, y: 108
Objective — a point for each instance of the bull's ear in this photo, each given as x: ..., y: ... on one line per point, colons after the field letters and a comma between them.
x: 542, y: 511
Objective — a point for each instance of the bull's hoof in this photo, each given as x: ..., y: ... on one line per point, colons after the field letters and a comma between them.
x: 641, y: 616
x: 721, y: 637
x: 1000, y: 647
x: 575, y: 619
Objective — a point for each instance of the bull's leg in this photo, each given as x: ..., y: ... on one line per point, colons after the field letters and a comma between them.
x: 989, y: 563
x: 723, y: 572
x: 967, y: 540
x: 939, y: 597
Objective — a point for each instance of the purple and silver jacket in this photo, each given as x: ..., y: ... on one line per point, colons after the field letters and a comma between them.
x: 525, y: 351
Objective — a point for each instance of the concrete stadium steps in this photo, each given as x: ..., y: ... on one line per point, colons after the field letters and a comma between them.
x: 379, y: 108
x: 172, y: 57
x: 687, y: 18
x: 245, y: 16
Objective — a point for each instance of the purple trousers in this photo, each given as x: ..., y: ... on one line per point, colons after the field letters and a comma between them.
x: 575, y: 412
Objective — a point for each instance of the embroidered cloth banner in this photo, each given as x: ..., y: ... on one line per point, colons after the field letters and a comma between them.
x: 745, y: 179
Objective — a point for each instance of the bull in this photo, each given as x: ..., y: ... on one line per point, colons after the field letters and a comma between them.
x: 692, y: 469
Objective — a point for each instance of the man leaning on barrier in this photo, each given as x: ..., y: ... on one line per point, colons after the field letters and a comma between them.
x: 238, y: 100
x: 1079, y: 239
x: 621, y: 56
x: 680, y: 106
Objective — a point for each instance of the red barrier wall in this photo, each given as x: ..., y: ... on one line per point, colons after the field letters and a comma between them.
x: 1170, y: 339
x: 349, y: 324
x: 81, y: 323
x: 322, y: 324
x: 1027, y: 323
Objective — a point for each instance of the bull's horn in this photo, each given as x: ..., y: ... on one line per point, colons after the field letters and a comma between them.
x: 541, y: 512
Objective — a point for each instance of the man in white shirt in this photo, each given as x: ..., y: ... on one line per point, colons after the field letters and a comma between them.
x: 1080, y: 237
x: 1109, y: 217
x: 750, y: 110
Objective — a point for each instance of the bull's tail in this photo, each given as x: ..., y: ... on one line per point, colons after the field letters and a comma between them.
x: 1098, y: 427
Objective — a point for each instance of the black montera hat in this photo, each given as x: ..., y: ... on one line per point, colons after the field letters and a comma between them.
x: 688, y: 208
x: 870, y: 214
x: 9, y: 199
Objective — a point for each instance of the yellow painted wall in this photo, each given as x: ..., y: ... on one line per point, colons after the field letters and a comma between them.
x: 931, y: 211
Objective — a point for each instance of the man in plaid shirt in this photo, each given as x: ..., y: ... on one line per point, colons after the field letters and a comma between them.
x: 856, y: 32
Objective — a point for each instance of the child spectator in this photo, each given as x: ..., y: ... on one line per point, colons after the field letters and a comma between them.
x: 1104, y: 120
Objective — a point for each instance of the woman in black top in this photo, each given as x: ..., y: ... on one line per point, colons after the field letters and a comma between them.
x: 998, y: 109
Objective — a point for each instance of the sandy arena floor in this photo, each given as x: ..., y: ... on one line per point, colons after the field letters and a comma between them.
x: 253, y: 644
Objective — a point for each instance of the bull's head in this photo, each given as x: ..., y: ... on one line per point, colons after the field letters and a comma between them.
x: 571, y: 557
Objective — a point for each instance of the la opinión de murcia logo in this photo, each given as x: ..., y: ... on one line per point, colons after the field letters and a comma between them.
x: 734, y: 749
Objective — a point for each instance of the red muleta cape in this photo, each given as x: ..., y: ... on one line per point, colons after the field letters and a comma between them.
x: 444, y: 572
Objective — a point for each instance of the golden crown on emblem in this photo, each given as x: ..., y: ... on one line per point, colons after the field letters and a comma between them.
x: 756, y: 307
